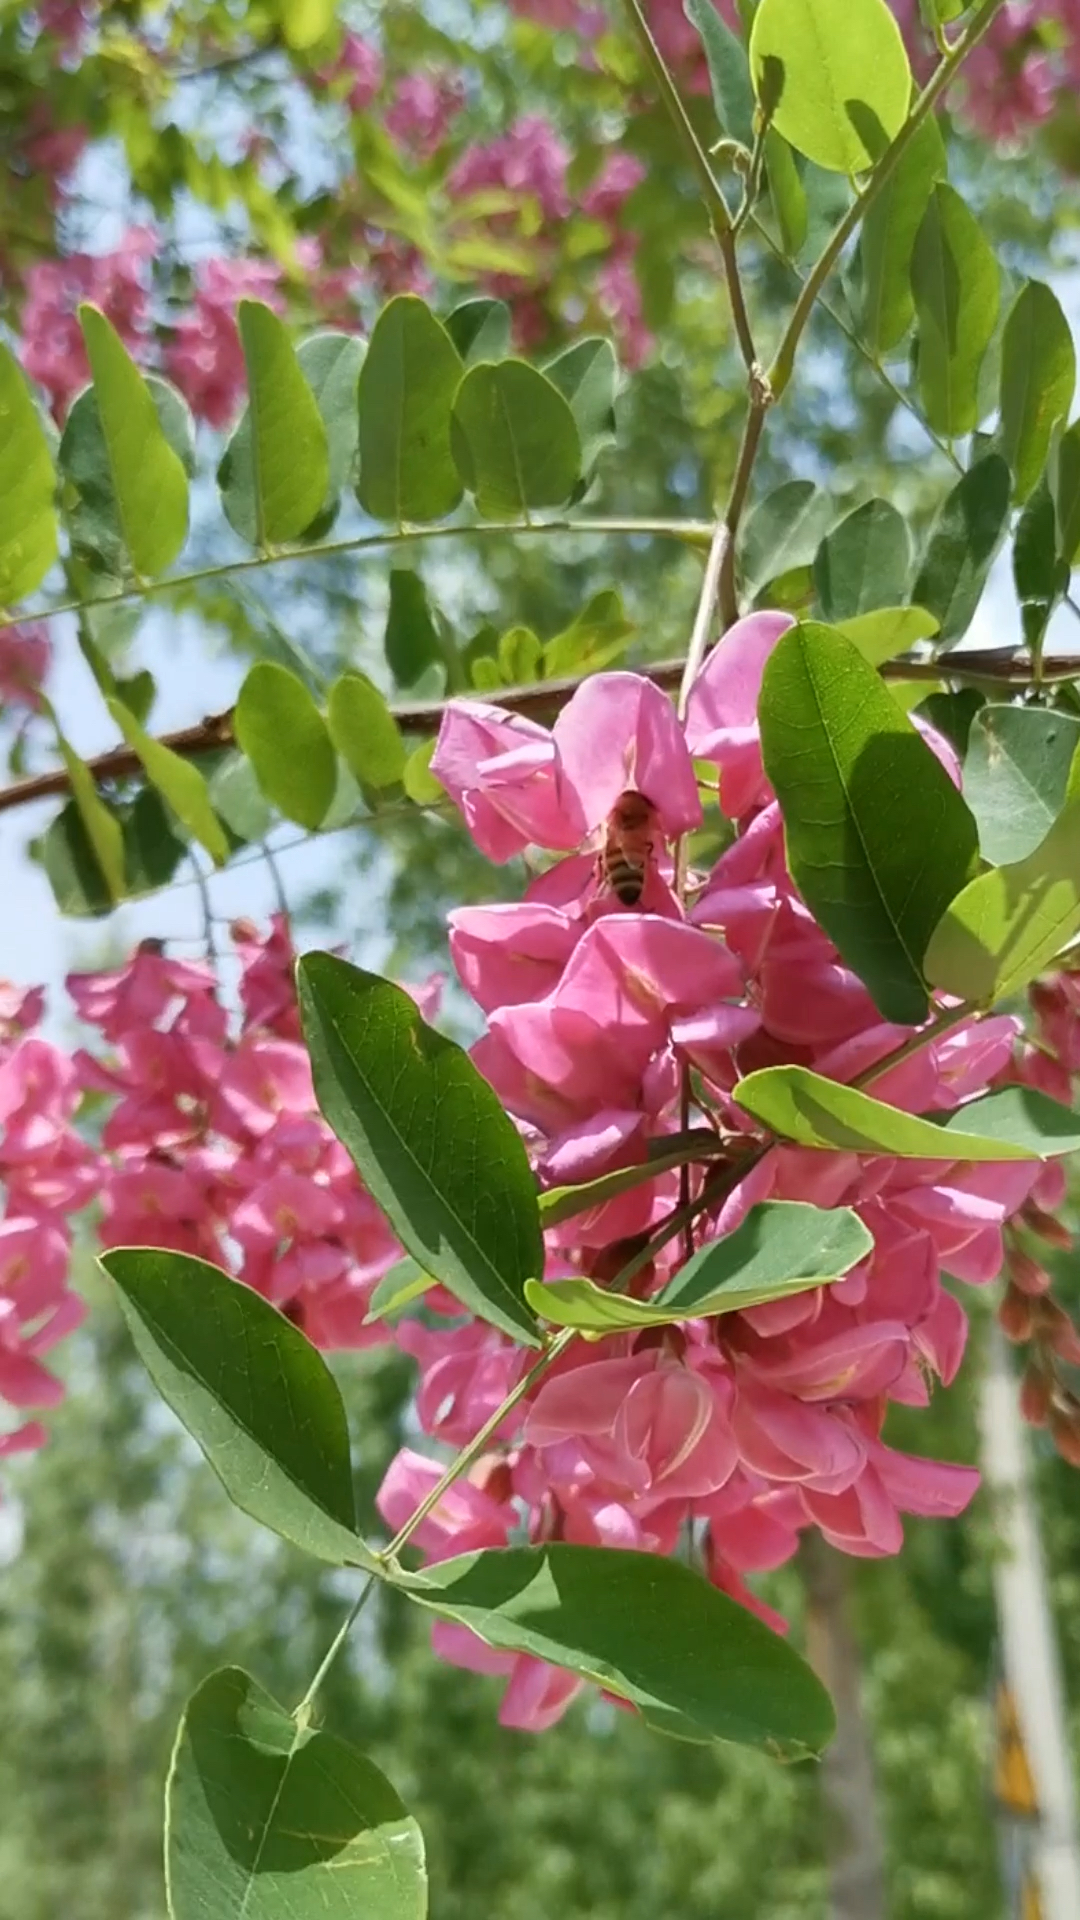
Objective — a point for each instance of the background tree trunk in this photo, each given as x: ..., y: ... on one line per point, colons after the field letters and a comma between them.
x: 854, y: 1840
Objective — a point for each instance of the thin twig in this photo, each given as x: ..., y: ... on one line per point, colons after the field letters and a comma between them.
x: 302, y: 1713
x: 760, y: 401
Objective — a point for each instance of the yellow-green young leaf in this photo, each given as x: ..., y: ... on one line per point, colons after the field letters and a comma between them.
x: 648, y: 1629
x: 270, y: 1818
x: 148, y: 479
x: 178, y: 782
x: 306, y: 22
x: 515, y: 440
x: 407, y: 385
x: 27, y: 488
x: 878, y: 838
x: 888, y: 236
x: 834, y: 74
x: 781, y: 1248
x: 279, y: 727
x: 103, y: 829
x: 1038, y: 374
x: 364, y: 731
x: 888, y: 631
x: 418, y: 780
x: 1019, y: 1123
x: 275, y: 473
x: 956, y: 284
x: 1063, y: 473
x: 1007, y: 925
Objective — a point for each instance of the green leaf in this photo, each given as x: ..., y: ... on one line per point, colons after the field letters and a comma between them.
x: 955, y: 281
x: 330, y: 363
x: 597, y: 635
x: 836, y: 75
x: 1007, y: 925
x: 1064, y: 477
x: 412, y: 642
x: 1016, y: 776
x: 103, y: 830
x: 783, y: 532
x: 1040, y: 574
x: 147, y: 479
x: 270, y: 1818
x: 275, y: 473
x: 306, y: 22
x: 252, y: 1392
x: 407, y: 385
x: 888, y: 632
x: 515, y: 440
x: 279, y: 727
x: 964, y: 539
x: 788, y: 193
x: 587, y: 376
x: 92, y: 509
x: 397, y: 1290
x: 815, y: 1112
x: 729, y: 71
x: 644, y: 1627
x: 480, y: 330
x: 417, y: 779
x: 178, y: 782
x: 236, y: 796
x: 781, y: 1248
x: 1038, y: 374
x: 888, y: 237
x: 429, y: 1138
x: 878, y: 838
x: 520, y: 657
x: 562, y: 1203
x: 364, y: 731
x: 863, y: 563
x: 28, y: 530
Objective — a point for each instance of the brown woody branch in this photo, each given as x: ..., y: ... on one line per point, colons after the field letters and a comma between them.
x: 540, y: 702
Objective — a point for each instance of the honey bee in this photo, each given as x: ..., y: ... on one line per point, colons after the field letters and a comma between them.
x: 623, y: 862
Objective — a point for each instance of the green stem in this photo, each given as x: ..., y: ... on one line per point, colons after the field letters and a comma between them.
x: 711, y: 190
x: 943, y: 1022
x: 760, y: 400
x: 690, y: 532
x: 783, y: 363
x: 302, y: 1713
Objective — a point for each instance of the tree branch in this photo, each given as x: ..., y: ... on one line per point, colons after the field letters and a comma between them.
x: 540, y: 702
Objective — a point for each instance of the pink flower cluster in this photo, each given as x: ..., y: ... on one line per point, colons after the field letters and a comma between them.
x: 117, y: 282
x: 25, y: 658
x: 211, y: 1144
x: 748, y: 1428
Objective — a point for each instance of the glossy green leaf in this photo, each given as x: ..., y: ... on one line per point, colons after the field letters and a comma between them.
x: 970, y: 526
x: 1063, y: 473
x: 520, y: 657
x: 956, y: 286
x: 418, y: 780
x: 878, y: 838
x: 803, y: 1106
x: 1038, y: 374
x: 330, y: 363
x: 1040, y: 573
x: 275, y: 473
x: 729, y: 71
x: 646, y: 1628
x: 412, y: 643
x: 781, y: 1248
x: 888, y: 632
x: 587, y: 376
x: 147, y: 479
x: 836, y: 75
x: 28, y: 531
x: 782, y: 532
x: 515, y: 440
x: 480, y: 330
x: 1016, y: 776
x: 1007, y: 925
x: 407, y: 384
x: 91, y: 507
x: 364, y: 731
x: 887, y: 238
x: 270, y: 1818
x: 429, y: 1138
x: 787, y: 191
x: 863, y: 563
x: 253, y: 1393
x: 178, y: 781
x: 279, y: 727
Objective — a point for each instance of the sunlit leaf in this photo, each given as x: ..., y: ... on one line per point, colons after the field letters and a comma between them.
x: 956, y: 286
x: 284, y: 735
x: 515, y: 440
x: 27, y: 488
x: 407, y: 384
x: 835, y: 75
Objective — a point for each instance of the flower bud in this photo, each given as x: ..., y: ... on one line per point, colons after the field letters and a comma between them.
x: 1065, y: 1429
x: 1036, y: 1389
x: 1048, y: 1227
x: 1026, y: 1274
x: 1014, y: 1316
x: 1054, y: 1326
